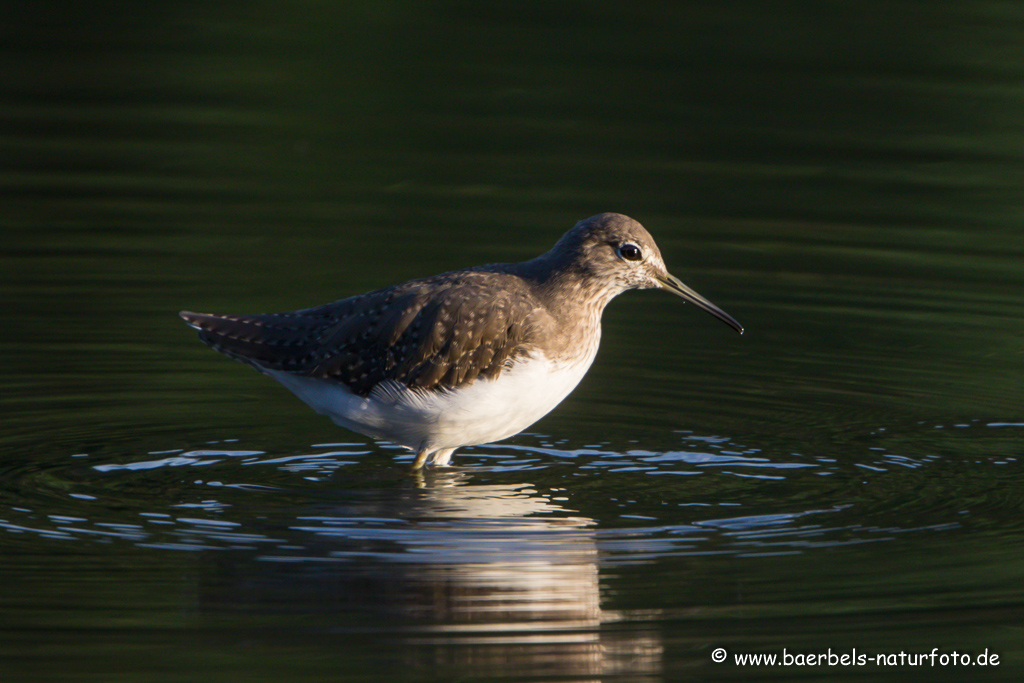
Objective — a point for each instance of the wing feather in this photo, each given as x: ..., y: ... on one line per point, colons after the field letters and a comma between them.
x: 424, y: 334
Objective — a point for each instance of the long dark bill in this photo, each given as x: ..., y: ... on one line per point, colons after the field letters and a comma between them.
x: 673, y: 284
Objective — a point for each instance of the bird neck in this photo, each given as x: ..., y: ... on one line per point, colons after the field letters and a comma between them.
x: 565, y: 283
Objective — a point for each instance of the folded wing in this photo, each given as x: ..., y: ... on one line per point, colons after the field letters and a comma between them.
x: 426, y: 334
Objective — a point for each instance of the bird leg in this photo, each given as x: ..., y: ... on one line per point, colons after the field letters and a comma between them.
x: 441, y: 457
x: 421, y: 457
x: 438, y: 458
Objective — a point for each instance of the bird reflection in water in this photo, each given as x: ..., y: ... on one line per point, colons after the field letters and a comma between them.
x: 479, y: 579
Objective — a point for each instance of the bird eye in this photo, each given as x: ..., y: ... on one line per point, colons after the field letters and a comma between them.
x: 630, y: 252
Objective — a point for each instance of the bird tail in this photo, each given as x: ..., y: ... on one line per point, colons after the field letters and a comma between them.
x: 266, y: 342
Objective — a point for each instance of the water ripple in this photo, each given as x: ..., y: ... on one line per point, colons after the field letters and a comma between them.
x: 333, y: 496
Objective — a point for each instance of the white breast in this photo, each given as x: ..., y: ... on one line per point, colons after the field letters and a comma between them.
x: 481, y: 412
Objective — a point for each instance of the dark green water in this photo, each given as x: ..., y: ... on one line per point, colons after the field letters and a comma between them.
x: 847, y: 179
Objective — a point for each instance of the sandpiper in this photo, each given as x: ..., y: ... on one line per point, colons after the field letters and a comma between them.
x: 458, y: 359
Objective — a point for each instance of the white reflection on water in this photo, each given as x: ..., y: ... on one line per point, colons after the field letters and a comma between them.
x: 501, y: 577
x: 488, y: 567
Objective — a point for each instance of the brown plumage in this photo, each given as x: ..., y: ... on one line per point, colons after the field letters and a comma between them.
x: 426, y: 334
x: 461, y: 358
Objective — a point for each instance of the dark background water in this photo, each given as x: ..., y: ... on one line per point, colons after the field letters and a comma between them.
x: 846, y: 178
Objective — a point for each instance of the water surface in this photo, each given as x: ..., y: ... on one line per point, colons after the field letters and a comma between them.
x: 845, y: 179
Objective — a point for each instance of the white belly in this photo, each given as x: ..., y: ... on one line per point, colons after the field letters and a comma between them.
x: 484, y: 411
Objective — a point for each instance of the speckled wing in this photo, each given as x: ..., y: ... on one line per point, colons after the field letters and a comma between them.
x: 441, y: 332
